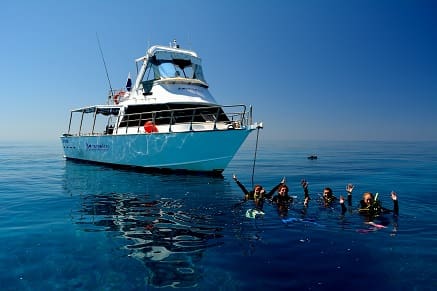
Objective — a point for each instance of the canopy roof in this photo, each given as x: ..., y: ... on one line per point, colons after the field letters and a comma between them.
x: 100, y: 109
x: 169, y: 53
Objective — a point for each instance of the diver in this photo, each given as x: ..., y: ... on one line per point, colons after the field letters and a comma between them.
x: 370, y: 206
x: 327, y: 199
x: 282, y: 197
x: 258, y: 194
x: 282, y: 200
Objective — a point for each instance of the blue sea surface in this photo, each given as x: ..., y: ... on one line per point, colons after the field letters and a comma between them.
x: 75, y: 226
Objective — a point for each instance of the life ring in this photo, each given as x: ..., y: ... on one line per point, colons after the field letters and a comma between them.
x: 234, y: 125
x: 150, y: 127
x: 117, y: 96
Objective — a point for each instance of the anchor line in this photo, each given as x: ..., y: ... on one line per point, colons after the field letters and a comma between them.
x: 256, y: 150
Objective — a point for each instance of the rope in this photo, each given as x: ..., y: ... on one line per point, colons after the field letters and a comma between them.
x: 256, y: 150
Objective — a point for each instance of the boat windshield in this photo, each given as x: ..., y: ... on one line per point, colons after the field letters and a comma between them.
x: 173, y: 68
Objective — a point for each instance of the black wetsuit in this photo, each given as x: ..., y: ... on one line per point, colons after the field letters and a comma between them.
x: 376, y: 208
x: 305, y: 192
x: 282, y: 203
x: 285, y: 199
x: 250, y: 195
x: 372, y: 210
x: 327, y: 201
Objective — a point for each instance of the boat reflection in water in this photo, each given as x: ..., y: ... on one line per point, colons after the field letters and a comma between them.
x: 169, y: 235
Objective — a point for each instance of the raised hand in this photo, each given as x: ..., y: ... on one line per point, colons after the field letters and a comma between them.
x: 349, y: 188
x: 304, y: 183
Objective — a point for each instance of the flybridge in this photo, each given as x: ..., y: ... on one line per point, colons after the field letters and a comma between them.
x: 163, y: 63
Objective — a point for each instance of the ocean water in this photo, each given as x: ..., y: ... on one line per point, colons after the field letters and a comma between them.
x: 74, y: 226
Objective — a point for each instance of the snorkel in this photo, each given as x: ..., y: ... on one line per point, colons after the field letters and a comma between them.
x: 375, y: 204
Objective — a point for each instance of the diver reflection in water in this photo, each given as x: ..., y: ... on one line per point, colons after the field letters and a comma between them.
x: 168, y: 240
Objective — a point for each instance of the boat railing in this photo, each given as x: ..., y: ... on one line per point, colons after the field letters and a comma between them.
x: 170, y: 120
x: 227, y: 116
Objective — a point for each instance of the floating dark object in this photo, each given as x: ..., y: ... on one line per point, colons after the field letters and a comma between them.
x: 312, y: 157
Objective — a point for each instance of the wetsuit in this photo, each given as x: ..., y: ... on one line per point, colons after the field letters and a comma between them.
x: 305, y: 193
x: 376, y: 208
x: 279, y: 199
x: 250, y: 195
x: 327, y: 201
x: 372, y: 210
x: 283, y: 203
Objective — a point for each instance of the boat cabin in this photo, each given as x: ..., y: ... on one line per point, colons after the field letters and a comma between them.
x: 170, y: 92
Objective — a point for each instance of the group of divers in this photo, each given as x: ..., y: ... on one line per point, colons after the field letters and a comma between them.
x: 370, y: 207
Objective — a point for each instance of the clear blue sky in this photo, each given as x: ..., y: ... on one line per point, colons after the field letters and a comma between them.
x: 313, y: 70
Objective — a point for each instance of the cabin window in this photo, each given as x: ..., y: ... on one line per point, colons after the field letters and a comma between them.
x: 208, y: 117
x: 168, y: 70
x: 198, y: 73
x: 151, y: 73
x: 174, y: 68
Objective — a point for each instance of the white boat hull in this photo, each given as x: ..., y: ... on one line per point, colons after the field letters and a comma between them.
x: 204, y: 151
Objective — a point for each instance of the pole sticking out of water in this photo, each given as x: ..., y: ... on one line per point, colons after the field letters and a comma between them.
x: 256, y: 150
x: 104, y: 63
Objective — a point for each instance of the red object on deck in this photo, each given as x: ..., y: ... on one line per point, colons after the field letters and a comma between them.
x: 149, y: 127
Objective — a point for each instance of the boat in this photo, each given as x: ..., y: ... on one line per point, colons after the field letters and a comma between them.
x: 166, y: 119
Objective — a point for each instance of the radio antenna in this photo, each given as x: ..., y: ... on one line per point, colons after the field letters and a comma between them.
x: 104, y: 63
